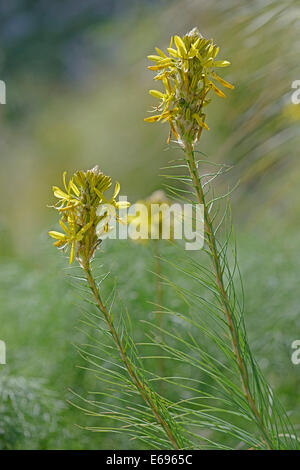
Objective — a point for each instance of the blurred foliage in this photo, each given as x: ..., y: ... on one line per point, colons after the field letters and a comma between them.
x: 77, y: 86
x: 28, y: 413
x: 45, y: 317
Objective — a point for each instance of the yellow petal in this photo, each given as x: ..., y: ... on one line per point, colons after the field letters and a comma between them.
x: 208, y: 62
x: 196, y: 43
x: 74, y: 188
x: 117, y: 190
x: 59, y: 193
x: 180, y: 45
x: 215, y: 51
x: 59, y: 243
x: 83, y: 230
x: 173, y: 129
x: 161, y: 53
x: 64, y: 180
x: 100, y: 195
x: 63, y: 226
x: 223, y: 82
x: 153, y: 118
x: 155, y: 58
x: 156, y: 94
x: 173, y: 52
x: 161, y: 66
x: 57, y: 235
x: 221, y: 63
x: 217, y: 91
x: 200, y: 121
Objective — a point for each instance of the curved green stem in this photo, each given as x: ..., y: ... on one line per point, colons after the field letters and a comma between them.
x: 140, y: 386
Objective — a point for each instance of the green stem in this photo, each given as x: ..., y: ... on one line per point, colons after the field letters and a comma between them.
x: 140, y: 386
x: 234, y: 334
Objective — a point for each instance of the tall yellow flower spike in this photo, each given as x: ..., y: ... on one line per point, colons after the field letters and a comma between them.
x: 83, y: 208
x: 188, y: 75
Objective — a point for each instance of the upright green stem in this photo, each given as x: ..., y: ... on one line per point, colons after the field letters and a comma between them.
x: 140, y: 386
x: 234, y: 334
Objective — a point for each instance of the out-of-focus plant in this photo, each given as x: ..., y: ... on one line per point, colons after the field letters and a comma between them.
x: 150, y: 222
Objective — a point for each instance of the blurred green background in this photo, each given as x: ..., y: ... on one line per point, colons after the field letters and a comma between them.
x: 77, y: 92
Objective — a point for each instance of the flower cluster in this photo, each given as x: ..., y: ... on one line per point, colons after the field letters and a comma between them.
x: 188, y: 75
x: 85, y: 212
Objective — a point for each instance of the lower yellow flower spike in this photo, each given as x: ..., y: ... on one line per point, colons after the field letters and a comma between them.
x: 81, y: 213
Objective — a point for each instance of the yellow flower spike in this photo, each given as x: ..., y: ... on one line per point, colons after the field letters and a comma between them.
x: 171, y: 41
x: 80, y: 208
x: 187, y: 75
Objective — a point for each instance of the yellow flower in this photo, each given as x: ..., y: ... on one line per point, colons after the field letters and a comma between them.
x: 72, y: 235
x: 69, y: 198
x: 111, y: 204
x: 188, y: 75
